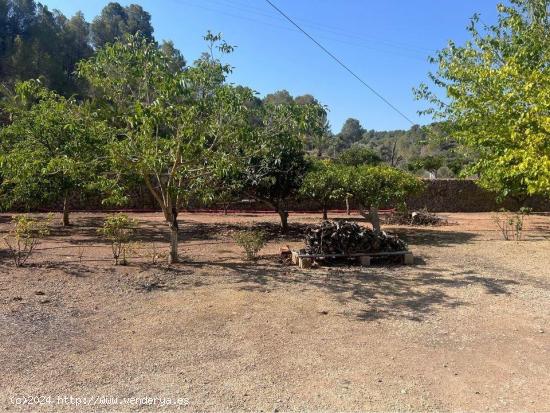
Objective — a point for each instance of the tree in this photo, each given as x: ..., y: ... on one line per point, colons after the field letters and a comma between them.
x: 351, y: 132
x: 281, y: 97
x: 306, y: 100
x: 52, y: 150
x: 116, y: 21
x: 174, y: 55
x: 176, y: 127
x: 357, y: 156
x: 375, y: 186
x: 497, y: 89
x: 276, y: 162
x: 38, y: 43
x: 324, y: 183
x: 390, y: 154
x: 428, y: 163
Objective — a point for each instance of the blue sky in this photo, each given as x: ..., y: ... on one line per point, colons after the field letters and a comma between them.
x: 386, y: 42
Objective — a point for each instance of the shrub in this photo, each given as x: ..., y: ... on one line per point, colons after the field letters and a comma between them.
x: 251, y: 241
x: 24, y: 236
x: 119, y: 230
x: 511, y: 223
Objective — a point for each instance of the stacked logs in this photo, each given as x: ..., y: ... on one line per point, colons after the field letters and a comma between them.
x: 344, y: 237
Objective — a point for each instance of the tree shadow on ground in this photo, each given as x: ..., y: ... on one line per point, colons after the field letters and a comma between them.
x: 389, y: 292
x: 84, y: 234
x: 210, y: 231
x: 85, y: 231
x: 434, y: 237
x: 74, y: 269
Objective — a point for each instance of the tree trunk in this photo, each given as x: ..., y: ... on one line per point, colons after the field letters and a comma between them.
x: 347, y: 205
x: 375, y: 219
x: 66, y: 221
x: 284, y: 220
x: 174, y: 229
x: 325, y: 213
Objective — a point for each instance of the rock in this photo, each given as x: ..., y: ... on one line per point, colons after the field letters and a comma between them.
x: 39, y: 293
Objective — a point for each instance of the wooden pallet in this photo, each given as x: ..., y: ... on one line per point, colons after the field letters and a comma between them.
x: 306, y: 260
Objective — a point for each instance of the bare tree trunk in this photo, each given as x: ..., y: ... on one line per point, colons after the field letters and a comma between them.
x: 375, y: 219
x: 325, y: 213
x: 174, y: 229
x: 66, y: 221
x: 347, y: 205
x: 284, y: 220
x: 373, y: 216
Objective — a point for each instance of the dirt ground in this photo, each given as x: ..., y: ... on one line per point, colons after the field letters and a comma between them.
x: 467, y: 328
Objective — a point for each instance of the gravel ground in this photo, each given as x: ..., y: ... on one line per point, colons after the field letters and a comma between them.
x: 467, y: 328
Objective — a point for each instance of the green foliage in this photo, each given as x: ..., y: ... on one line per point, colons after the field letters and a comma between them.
x: 251, y: 242
x: 316, y: 136
x: 281, y: 97
x: 52, y: 150
x: 497, y: 88
x: 24, y: 235
x: 352, y: 132
x: 176, y: 127
x: 274, y: 161
x: 324, y: 182
x: 427, y: 163
x: 116, y: 21
x: 119, y: 229
x: 511, y: 223
x: 375, y: 186
x: 38, y: 43
x: 357, y: 156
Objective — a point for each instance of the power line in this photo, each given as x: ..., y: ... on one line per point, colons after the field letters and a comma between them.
x: 386, y: 101
x: 356, y: 41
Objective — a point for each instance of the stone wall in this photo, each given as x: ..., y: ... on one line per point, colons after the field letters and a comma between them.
x: 458, y: 195
x: 440, y: 195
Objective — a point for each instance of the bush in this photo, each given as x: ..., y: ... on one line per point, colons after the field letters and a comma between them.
x: 119, y: 229
x: 511, y: 223
x: 251, y: 242
x: 24, y: 236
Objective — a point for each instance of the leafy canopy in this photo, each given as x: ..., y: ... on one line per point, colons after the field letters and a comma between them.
x: 51, y: 150
x: 324, y: 182
x: 276, y: 161
x: 375, y: 186
x: 175, y: 126
x: 497, y: 101
x: 358, y: 155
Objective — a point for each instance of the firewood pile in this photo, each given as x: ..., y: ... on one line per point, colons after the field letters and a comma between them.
x: 344, y: 237
x: 419, y: 218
